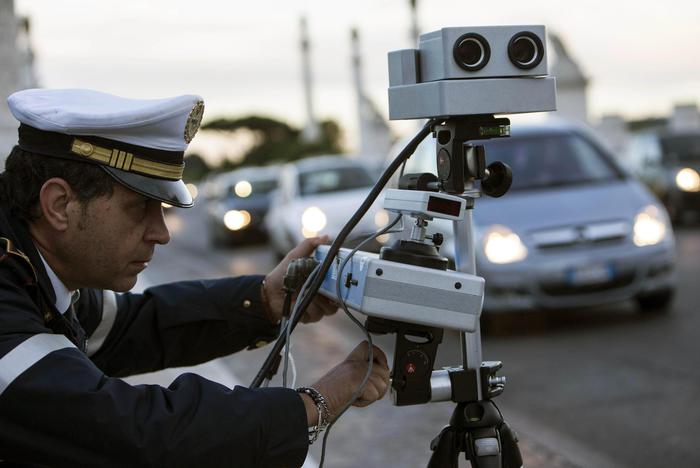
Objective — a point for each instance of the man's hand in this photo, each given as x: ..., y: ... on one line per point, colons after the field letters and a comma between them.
x: 338, y: 385
x: 273, y: 294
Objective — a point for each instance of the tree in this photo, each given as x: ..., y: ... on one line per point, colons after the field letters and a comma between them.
x: 195, y: 167
x: 276, y: 141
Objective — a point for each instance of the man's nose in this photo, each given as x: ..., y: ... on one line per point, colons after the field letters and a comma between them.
x: 157, y: 231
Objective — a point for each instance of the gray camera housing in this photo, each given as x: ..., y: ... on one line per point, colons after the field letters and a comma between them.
x: 429, y: 82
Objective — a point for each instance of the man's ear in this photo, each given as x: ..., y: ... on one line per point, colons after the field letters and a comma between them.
x: 54, y: 197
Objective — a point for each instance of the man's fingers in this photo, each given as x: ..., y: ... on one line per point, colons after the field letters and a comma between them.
x: 380, y: 358
x: 312, y: 314
x: 307, y: 246
x: 374, y: 390
x: 329, y: 305
x: 378, y: 384
x: 361, y: 353
x: 371, y: 393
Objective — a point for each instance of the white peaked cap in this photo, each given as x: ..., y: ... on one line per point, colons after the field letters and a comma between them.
x: 153, y: 123
x: 139, y: 142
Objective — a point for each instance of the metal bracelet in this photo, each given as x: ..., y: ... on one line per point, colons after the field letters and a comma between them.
x: 324, y: 415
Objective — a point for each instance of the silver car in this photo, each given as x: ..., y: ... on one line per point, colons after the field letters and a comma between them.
x: 575, y: 230
x: 317, y: 196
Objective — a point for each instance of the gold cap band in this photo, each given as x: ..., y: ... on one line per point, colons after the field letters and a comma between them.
x: 124, y: 161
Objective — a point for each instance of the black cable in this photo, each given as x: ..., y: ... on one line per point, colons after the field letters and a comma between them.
x: 340, y: 238
x: 287, y: 328
x: 370, y: 358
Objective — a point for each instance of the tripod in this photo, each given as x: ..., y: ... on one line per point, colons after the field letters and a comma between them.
x: 476, y: 427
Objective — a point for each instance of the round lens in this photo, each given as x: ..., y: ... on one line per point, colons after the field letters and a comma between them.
x: 471, y: 52
x: 525, y: 50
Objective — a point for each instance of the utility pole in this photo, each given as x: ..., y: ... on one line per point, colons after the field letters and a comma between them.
x: 415, y: 30
x: 16, y: 69
x: 373, y: 132
x: 311, y: 131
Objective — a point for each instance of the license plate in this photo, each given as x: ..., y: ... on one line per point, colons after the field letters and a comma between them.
x: 590, y: 274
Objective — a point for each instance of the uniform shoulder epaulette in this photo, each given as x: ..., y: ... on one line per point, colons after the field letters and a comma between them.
x: 24, y: 272
x: 10, y: 254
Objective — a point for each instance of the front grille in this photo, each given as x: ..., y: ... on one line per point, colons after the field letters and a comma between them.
x: 564, y: 289
x: 567, y: 237
x: 580, y: 244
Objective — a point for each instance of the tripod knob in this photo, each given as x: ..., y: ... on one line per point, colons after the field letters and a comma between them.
x: 437, y: 239
x: 498, y: 179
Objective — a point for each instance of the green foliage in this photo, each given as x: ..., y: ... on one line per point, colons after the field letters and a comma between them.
x: 195, y: 168
x: 650, y: 123
x: 276, y: 141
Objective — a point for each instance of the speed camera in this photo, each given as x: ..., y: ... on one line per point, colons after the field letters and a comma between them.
x: 472, y: 71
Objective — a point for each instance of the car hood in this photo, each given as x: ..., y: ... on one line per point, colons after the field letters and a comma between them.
x: 525, y: 211
x: 338, y: 208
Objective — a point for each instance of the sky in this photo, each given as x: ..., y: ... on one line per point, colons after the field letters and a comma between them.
x: 243, y: 57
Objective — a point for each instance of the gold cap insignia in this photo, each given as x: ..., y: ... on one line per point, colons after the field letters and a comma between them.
x: 193, y: 121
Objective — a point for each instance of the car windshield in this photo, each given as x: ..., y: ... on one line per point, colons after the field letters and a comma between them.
x: 681, y: 149
x: 247, y: 187
x: 540, y: 161
x: 334, y: 179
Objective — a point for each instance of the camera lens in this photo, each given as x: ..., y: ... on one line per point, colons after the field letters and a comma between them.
x: 471, y: 52
x: 525, y: 50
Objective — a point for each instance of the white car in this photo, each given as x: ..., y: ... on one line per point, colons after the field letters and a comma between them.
x: 317, y: 196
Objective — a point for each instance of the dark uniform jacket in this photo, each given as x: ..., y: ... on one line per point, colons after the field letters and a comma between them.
x: 62, y: 402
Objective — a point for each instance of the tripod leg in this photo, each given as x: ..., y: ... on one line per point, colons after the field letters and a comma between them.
x: 485, y: 449
x: 446, y: 448
x: 511, y: 452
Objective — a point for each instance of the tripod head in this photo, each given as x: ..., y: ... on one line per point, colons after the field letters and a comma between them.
x: 459, y: 163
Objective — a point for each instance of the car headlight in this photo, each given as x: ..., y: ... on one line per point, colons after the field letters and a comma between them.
x: 236, y: 220
x: 243, y: 189
x: 381, y: 218
x: 688, y: 180
x: 649, y: 226
x: 312, y: 221
x: 501, y: 245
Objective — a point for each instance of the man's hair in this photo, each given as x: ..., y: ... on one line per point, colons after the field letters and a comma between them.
x: 26, y: 172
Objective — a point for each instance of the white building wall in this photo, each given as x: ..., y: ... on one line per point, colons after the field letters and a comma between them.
x: 9, y: 75
x: 16, y: 71
x: 572, y: 104
x: 685, y: 118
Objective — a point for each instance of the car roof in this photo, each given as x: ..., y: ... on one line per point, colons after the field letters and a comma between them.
x: 253, y: 172
x: 325, y: 161
x: 548, y: 127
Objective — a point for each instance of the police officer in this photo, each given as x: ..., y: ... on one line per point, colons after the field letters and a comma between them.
x: 80, y: 216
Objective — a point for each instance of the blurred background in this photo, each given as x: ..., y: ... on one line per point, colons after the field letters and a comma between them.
x: 591, y: 260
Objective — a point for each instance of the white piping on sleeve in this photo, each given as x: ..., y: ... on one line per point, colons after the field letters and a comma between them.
x: 109, y: 314
x: 28, y: 353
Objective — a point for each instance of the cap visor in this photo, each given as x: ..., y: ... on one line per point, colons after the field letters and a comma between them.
x: 173, y: 192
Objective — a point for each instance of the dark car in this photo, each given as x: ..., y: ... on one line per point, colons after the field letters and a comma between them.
x: 238, y: 203
x: 671, y: 169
